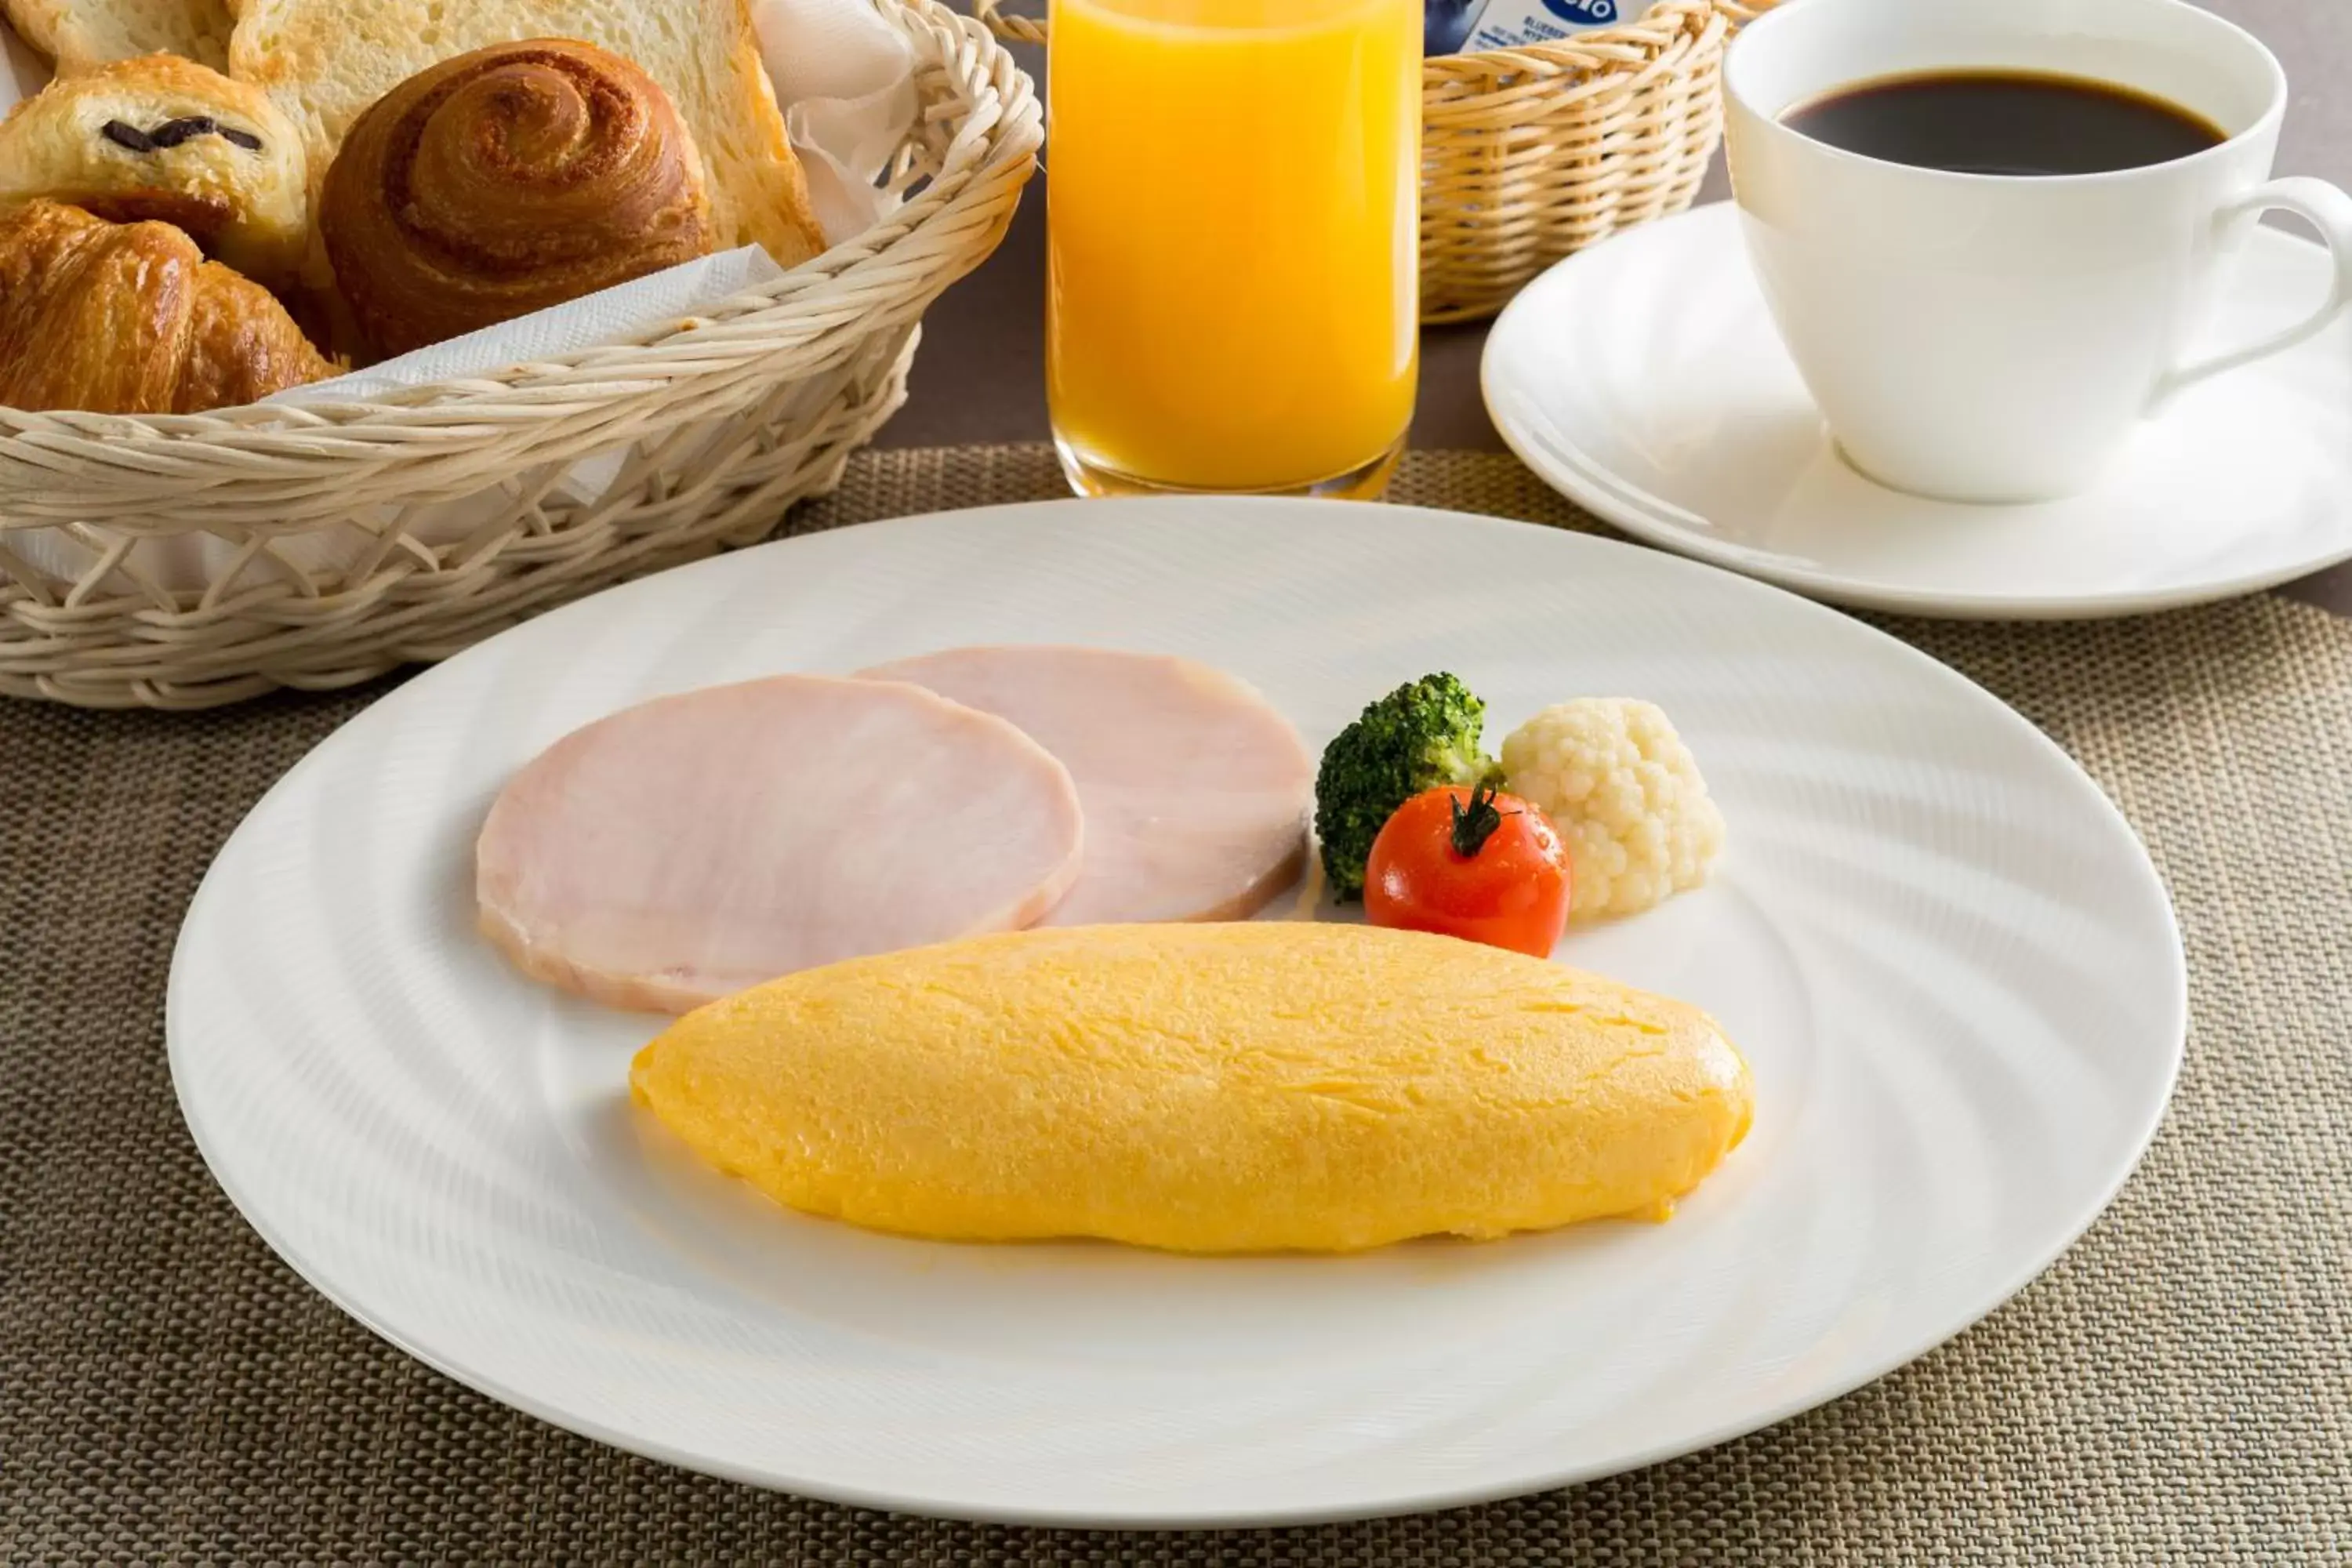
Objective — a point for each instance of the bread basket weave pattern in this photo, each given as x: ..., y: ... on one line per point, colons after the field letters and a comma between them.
x: 217, y: 556
x: 1528, y: 154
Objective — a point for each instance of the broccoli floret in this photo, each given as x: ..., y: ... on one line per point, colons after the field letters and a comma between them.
x: 1423, y: 735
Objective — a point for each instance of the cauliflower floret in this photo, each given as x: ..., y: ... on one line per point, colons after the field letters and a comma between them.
x: 1626, y: 795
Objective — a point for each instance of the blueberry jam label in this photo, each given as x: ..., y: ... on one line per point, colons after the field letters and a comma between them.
x: 1514, y: 23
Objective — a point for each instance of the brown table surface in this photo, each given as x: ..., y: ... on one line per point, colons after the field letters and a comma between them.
x: 979, y: 377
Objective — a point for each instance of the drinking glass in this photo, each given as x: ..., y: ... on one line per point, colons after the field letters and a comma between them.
x: 1233, y: 205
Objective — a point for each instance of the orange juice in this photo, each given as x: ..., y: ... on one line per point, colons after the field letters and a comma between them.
x: 1232, y: 197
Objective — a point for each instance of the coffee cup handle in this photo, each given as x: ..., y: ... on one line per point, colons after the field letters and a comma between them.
x: 2326, y: 210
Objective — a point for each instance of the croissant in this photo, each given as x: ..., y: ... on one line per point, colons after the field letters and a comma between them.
x: 131, y: 319
x: 503, y: 182
x: 164, y: 138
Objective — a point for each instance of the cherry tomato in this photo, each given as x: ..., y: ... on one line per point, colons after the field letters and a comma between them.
x: 1474, y: 864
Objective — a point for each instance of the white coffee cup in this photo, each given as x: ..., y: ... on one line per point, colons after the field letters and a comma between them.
x: 1996, y: 338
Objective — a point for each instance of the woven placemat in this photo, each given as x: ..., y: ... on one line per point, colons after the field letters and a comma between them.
x: 2178, y: 1389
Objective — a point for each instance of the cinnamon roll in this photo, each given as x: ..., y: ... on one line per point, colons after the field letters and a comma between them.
x: 503, y: 182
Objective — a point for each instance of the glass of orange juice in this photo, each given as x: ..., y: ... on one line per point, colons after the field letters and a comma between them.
x: 1233, y: 204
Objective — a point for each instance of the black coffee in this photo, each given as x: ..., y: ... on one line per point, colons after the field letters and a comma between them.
x: 2004, y: 123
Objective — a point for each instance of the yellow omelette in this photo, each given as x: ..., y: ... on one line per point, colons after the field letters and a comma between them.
x: 1235, y: 1087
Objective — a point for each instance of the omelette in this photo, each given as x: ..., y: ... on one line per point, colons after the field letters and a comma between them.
x: 1214, y: 1088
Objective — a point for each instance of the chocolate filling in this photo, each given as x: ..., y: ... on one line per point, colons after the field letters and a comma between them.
x: 172, y: 132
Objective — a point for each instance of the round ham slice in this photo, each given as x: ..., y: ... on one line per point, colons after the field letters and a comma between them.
x: 1196, y: 789
x: 695, y: 846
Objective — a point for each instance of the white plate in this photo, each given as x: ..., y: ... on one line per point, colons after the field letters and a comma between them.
x: 1949, y: 960
x: 1643, y: 380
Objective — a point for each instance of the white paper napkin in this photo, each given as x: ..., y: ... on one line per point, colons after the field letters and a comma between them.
x: 609, y: 316
x: 846, y: 80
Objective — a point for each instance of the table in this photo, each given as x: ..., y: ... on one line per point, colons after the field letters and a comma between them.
x: 981, y: 378
x: 2171, y: 1391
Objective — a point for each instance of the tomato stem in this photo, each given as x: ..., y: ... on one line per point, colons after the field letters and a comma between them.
x: 1477, y: 821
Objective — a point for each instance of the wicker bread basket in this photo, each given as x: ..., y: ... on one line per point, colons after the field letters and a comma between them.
x: 721, y: 424
x: 1528, y: 154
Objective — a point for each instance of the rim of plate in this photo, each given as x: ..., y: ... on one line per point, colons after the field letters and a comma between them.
x: 1522, y: 1482
x: 1575, y: 473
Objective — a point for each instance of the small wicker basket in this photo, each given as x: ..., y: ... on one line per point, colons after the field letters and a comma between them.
x: 321, y: 534
x: 1528, y: 154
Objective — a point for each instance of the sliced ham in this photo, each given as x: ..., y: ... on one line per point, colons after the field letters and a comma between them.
x: 687, y: 848
x: 1196, y: 789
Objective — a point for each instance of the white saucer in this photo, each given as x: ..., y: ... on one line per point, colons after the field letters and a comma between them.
x: 1643, y: 380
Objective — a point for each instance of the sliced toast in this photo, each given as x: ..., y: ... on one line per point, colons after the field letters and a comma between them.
x: 82, y: 35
